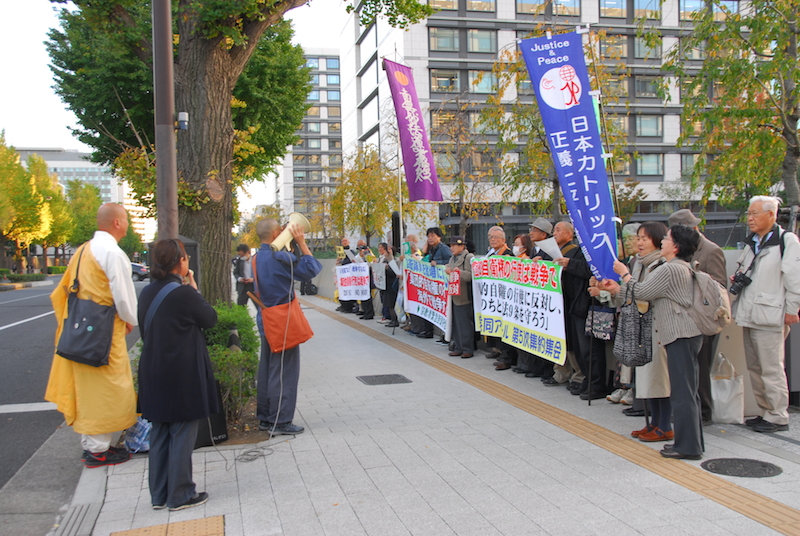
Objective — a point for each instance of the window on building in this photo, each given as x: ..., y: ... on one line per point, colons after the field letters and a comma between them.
x: 646, y: 86
x: 314, y: 143
x: 313, y: 127
x: 445, y: 80
x: 483, y: 162
x: 641, y: 50
x: 315, y: 176
x: 618, y: 124
x: 617, y: 9
x: 334, y: 127
x: 688, y: 162
x: 477, y: 126
x: 649, y: 125
x: 443, y: 39
x: 695, y: 128
x: 480, y: 5
x: 299, y: 159
x: 444, y: 4
x: 334, y: 111
x: 690, y: 8
x: 314, y: 159
x: 334, y: 144
x: 334, y: 176
x: 482, y: 41
x: 312, y: 63
x: 335, y: 160
x: 334, y: 96
x: 313, y: 111
x: 333, y: 79
x: 313, y: 95
x: 440, y: 119
x: 314, y: 79
x: 650, y: 164
x: 614, y: 47
x: 332, y: 63
x: 524, y: 85
x: 445, y: 163
x: 617, y: 86
x: 299, y: 175
x: 482, y: 82
x: 569, y: 8
x: 647, y: 9
x: 724, y: 9
x: 695, y: 53
x: 301, y: 144
x: 534, y: 7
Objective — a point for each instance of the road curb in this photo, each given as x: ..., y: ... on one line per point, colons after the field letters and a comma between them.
x: 30, y: 284
x: 86, y: 504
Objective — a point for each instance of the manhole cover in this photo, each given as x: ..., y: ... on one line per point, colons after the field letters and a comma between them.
x: 383, y: 379
x: 741, y: 467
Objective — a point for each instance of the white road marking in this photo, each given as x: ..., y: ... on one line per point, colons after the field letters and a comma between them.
x: 26, y: 320
x: 25, y: 408
x: 20, y: 299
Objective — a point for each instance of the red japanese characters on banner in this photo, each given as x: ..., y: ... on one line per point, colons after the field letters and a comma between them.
x: 455, y: 283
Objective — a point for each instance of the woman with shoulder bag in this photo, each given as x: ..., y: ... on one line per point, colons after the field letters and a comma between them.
x: 668, y: 288
x: 176, y: 382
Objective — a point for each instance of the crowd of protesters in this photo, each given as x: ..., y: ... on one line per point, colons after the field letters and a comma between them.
x: 673, y: 390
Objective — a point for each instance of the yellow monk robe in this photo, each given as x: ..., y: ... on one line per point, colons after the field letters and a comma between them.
x: 94, y: 400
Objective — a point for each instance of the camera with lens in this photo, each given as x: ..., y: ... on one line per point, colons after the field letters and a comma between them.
x: 739, y: 282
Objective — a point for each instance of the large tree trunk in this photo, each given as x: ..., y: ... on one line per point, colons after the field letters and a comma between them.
x: 203, y: 87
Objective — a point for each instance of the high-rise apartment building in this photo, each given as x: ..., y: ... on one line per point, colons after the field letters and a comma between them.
x: 452, y: 53
x: 308, y: 166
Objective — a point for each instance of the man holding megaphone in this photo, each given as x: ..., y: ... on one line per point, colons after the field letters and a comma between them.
x: 279, y: 369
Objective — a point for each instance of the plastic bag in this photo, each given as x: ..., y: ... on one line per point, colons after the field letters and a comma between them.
x: 137, y: 437
x: 727, y: 392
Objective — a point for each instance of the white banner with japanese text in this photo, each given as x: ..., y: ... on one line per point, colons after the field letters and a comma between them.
x: 521, y: 302
x: 353, y: 281
x: 426, y: 291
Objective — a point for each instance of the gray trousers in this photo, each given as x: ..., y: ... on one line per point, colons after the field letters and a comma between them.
x: 463, y: 336
x: 684, y: 396
x: 277, y: 384
x: 170, y: 461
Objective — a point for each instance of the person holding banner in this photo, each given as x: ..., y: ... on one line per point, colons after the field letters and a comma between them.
x: 669, y: 290
x: 460, y: 266
x: 437, y: 253
x: 507, y: 356
x: 346, y: 306
x: 367, y: 308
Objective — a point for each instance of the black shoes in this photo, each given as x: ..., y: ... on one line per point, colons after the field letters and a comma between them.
x: 286, y: 428
x: 367, y: 317
x: 197, y: 500
x: 593, y: 395
x: 113, y: 456
x: 668, y: 452
x: 630, y: 412
x: 392, y: 325
x: 766, y: 427
x: 550, y: 382
x: 425, y: 335
x: 754, y: 421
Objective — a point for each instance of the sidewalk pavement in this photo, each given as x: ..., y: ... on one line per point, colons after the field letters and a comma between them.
x: 49, y: 282
x: 460, y: 450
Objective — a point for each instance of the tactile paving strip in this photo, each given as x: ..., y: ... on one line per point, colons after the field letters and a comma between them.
x: 210, y: 526
x: 764, y: 510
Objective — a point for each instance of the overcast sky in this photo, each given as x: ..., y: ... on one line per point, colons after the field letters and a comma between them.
x: 32, y: 115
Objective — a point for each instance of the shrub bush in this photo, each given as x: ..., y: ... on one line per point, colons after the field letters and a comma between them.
x: 236, y: 370
x: 4, y: 272
x: 22, y: 278
x: 56, y: 269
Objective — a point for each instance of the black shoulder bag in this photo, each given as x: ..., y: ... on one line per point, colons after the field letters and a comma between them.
x: 88, y: 329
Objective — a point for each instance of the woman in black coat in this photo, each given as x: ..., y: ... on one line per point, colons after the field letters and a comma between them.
x: 176, y: 383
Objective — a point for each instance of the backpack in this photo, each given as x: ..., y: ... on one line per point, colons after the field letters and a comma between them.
x: 711, y: 306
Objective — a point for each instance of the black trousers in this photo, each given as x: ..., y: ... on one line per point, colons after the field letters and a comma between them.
x: 704, y: 360
x: 589, y: 353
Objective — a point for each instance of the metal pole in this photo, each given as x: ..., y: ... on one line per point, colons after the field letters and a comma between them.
x: 164, y: 96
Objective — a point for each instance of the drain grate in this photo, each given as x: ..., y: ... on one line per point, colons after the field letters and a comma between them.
x: 383, y: 379
x: 741, y: 467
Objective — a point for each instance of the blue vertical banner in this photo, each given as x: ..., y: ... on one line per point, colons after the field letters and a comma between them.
x: 557, y: 69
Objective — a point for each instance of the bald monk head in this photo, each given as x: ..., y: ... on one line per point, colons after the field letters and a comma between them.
x: 113, y: 219
x: 267, y: 230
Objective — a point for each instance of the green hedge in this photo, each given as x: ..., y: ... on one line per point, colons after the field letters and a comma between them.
x: 56, y: 269
x: 235, y: 369
x: 4, y: 272
x: 22, y: 278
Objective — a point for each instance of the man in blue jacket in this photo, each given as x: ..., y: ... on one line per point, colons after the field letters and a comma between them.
x: 279, y: 372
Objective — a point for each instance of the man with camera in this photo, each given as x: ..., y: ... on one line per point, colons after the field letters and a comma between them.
x: 766, y: 288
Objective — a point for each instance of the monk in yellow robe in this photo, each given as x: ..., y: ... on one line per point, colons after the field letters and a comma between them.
x: 98, y: 401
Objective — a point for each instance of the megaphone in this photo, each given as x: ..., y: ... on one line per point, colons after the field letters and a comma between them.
x: 284, y: 240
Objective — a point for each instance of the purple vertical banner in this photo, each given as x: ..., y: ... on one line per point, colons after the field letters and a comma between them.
x: 557, y: 68
x: 417, y: 155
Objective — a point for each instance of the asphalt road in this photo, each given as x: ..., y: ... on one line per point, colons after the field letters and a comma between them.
x: 27, y: 331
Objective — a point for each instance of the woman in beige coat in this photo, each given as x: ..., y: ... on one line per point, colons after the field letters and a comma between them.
x: 652, y: 379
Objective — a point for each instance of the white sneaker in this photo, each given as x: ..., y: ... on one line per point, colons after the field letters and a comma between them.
x: 616, y: 396
x: 627, y: 399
